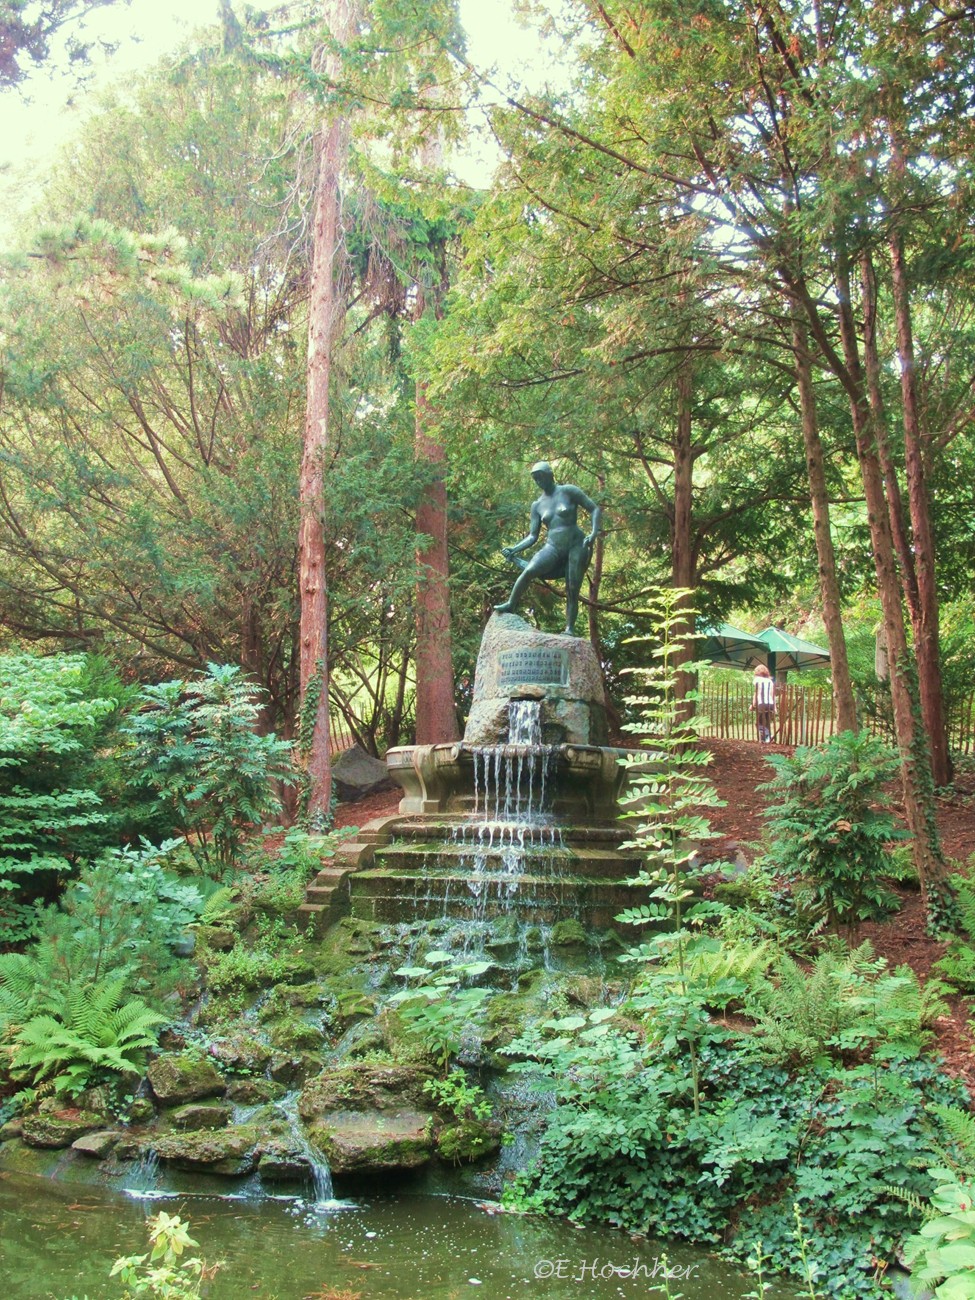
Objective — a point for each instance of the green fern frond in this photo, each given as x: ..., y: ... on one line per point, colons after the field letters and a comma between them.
x: 961, y: 1127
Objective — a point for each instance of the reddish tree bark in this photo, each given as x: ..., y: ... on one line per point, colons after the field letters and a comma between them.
x: 926, y: 626
x: 825, y: 553
x: 436, y: 712
x: 326, y: 318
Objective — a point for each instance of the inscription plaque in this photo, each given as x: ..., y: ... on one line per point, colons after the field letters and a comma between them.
x: 535, y: 666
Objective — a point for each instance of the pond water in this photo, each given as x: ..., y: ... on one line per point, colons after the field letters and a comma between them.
x: 58, y: 1241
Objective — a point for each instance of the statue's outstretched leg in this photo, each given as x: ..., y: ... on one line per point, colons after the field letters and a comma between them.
x: 511, y: 604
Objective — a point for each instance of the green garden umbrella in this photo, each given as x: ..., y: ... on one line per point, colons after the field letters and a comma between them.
x: 786, y: 653
x: 730, y: 647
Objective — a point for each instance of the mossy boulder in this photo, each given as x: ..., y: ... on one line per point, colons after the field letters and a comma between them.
x: 177, y: 1078
x: 567, y: 934
x: 59, y: 1128
x: 254, y: 1092
x: 229, y: 1152
x: 199, y: 1115
x: 293, y: 1068
x: 360, y: 1142
x: 293, y: 1034
x: 280, y: 1160
x: 364, y: 1086
x: 240, y: 1053
x: 98, y: 1144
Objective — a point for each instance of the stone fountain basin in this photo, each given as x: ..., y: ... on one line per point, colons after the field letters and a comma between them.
x: 587, y: 780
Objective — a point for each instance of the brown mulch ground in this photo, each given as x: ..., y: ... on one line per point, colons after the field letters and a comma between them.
x: 738, y: 769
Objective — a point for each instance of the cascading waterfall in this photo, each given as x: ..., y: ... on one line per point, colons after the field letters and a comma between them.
x: 321, y: 1175
x: 510, y: 819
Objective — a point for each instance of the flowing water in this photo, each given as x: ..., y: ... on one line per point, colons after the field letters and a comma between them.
x: 60, y: 1241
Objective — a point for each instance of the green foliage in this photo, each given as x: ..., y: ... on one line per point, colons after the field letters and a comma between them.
x: 96, y: 1035
x: 625, y: 1145
x: 463, y: 1099
x: 830, y: 827
x: 124, y: 917
x: 50, y: 724
x: 682, y: 975
x: 439, y: 1011
x: 196, y: 749
x: 164, y: 1273
x: 957, y: 966
x: 265, y: 961
x: 848, y: 1006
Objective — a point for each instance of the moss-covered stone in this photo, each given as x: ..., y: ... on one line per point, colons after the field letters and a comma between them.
x: 240, y: 1053
x: 293, y: 1068
x: 293, y: 1034
x: 229, y: 1152
x: 181, y: 1077
x: 98, y: 1144
x: 140, y: 1110
x: 466, y: 1141
x: 568, y: 934
x: 201, y: 1115
x: 363, y: 1086
x: 55, y: 1129
x: 254, y: 1092
x: 360, y: 1142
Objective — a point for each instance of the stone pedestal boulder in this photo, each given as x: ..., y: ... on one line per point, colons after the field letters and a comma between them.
x: 517, y: 662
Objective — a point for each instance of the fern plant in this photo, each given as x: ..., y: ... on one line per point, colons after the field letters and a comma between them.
x: 669, y: 805
x: 98, y: 1034
x: 849, y: 1003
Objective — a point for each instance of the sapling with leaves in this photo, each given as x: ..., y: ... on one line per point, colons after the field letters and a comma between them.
x: 668, y: 799
x: 831, y: 829
x: 438, y: 1009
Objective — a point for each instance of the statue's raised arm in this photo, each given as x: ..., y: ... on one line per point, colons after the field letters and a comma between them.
x: 566, y: 551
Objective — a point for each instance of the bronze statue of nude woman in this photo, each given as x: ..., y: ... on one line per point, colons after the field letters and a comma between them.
x: 566, y: 551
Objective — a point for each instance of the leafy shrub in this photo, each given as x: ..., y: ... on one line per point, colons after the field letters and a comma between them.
x: 50, y: 727
x: 624, y: 1145
x: 957, y: 966
x: 831, y: 828
x: 123, y: 916
x: 198, y: 752
x: 439, y: 1011
x: 164, y: 1272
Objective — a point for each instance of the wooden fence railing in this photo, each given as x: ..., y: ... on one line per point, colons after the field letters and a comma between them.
x: 806, y: 715
x: 803, y: 715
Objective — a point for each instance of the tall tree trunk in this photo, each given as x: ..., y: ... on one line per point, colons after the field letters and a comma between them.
x: 914, y: 760
x: 926, y: 627
x: 326, y: 319
x: 826, y: 556
x: 682, y: 566
x: 875, y: 396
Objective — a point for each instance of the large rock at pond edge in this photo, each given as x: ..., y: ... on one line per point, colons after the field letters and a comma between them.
x: 59, y: 1128
x: 357, y: 774
x: 98, y: 1145
x: 229, y: 1152
x: 281, y: 1161
x: 367, y: 1118
x: 359, y: 1142
x: 517, y: 662
x: 178, y: 1078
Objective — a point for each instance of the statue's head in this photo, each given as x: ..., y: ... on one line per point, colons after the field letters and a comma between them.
x: 542, y: 473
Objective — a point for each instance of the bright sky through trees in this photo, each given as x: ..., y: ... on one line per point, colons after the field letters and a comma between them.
x: 35, y: 122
